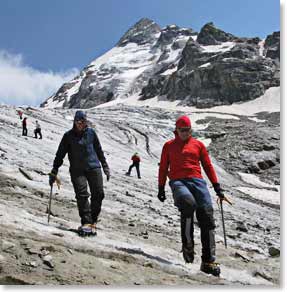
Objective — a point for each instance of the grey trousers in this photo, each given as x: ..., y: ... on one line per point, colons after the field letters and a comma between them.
x: 89, y: 210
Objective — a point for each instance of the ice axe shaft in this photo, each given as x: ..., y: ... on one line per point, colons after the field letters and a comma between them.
x: 50, y: 203
x: 223, y: 224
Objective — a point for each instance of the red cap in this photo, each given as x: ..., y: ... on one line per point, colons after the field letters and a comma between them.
x: 183, y: 122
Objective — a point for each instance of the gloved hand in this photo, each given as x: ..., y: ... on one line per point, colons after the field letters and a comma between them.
x: 107, y: 172
x: 53, y: 176
x: 218, y: 190
x: 161, y: 194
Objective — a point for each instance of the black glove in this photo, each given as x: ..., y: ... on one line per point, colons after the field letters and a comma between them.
x: 161, y: 194
x: 107, y: 172
x: 52, y: 176
x: 218, y: 190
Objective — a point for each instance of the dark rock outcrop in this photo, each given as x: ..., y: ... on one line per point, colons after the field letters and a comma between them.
x: 272, y: 45
x: 211, y: 35
x: 225, y: 81
x: 247, y: 154
x: 154, y: 87
x: 169, y: 33
x: 209, y: 78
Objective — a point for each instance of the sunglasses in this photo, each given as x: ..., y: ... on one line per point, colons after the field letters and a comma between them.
x: 80, y: 121
x: 182, y: 130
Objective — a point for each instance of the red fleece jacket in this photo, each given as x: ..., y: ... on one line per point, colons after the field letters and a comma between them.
x: 136, y: 158
x: 181, y: 159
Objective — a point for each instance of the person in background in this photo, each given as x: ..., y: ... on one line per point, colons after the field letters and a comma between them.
x: 24, y: 127
x: 136, y: 163
x: 38, y: 131
x: 20, y: 113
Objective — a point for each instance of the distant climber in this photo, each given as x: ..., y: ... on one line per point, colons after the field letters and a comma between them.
x: 180, y: 161
x: 20, y: 114
x: 37, y: 131
x: 24, y: 127
x: 136, y: 163
x: 86, y: 159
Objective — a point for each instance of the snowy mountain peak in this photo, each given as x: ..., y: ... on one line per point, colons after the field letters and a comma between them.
x: 144, y: 31
x: 143, y: 50
x: 177, y: 64
x: 171, y: 32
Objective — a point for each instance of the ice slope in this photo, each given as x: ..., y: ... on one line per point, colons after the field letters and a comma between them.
x: 269, y: 102
x: 138, y: 240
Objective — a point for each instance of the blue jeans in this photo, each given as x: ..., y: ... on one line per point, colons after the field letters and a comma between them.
x: 191, y: 195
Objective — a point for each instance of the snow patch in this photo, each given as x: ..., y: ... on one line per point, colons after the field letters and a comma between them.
x: 224, y: 47
x: 169, y: 71
x: 205, y: 65
x: 194, y: 37
x: 255, y: 181
x: 261, y: 48
x: 261, y: 194
x: 254, y: 119
x: 268, y: 102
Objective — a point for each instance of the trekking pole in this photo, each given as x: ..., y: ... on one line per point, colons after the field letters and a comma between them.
x: 223, y: 225
x: 50, y: 202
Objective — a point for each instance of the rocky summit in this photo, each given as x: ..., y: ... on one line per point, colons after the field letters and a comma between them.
x: 202, y: 69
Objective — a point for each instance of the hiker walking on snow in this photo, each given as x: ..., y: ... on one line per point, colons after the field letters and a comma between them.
x: 37, y: 131
x: 136, y: 163
x: 20, y: 113
x: 86, y: 159
x: 24, y: 127
x: 180, y: 161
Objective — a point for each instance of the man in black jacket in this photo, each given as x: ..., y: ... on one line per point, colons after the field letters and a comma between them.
x: 86, y: 158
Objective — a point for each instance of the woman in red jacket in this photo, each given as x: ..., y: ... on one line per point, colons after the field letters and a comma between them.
x: 180, y: 161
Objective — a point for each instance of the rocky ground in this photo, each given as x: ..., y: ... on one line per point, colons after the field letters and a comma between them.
x: 138, y: 241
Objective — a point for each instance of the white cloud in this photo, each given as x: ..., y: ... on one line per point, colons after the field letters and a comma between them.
x: 23, y: 85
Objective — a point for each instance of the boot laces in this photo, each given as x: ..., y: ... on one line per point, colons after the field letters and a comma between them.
x: 212, y: 265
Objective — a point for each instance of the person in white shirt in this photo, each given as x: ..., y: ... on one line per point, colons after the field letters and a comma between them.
x: 37, y: 130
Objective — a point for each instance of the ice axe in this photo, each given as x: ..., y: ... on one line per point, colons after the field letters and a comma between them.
x: 50, y: 202
x: 58, y: 182
x: 222, y: 216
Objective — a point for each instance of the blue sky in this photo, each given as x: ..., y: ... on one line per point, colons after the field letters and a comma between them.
x: 59, y: 35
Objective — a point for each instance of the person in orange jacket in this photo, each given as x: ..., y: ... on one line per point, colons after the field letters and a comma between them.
x: 136, y: 163
x: 181, y: 161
